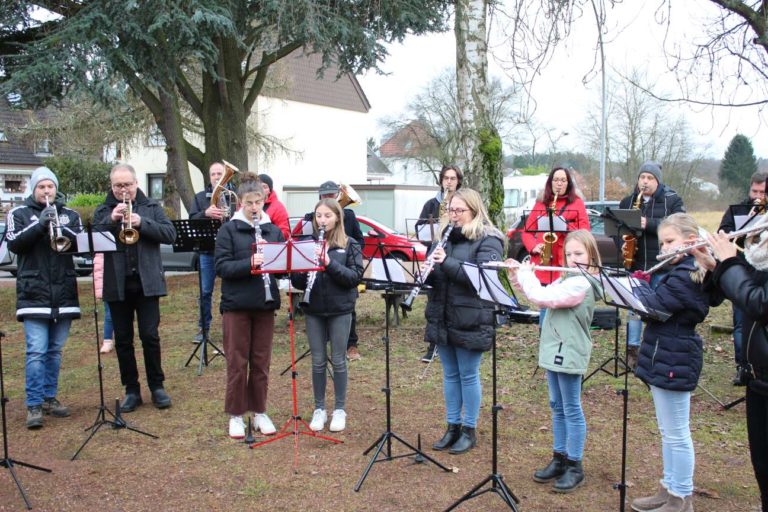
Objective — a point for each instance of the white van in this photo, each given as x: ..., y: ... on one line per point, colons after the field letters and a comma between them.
x: 520, y: 194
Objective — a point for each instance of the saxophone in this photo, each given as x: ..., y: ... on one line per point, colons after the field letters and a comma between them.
x: 443, y: 205
x: 550, y: 238
x: 629, y: 249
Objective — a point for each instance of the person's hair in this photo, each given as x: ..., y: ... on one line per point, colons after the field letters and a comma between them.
x: 335, y: 237
x: 682, y: 223
x: 480, y: 224
x: 587, y: 239
x: 216, y: 163
x: 451, y: 167
x: 570, y: 190
x: 758, y: 177
x: 124, y: 167
x: 249, y: 184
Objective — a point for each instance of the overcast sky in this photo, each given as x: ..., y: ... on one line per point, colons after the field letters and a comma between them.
x: 562, y: 99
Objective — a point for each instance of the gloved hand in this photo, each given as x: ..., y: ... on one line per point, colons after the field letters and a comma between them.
x: 47, y: 215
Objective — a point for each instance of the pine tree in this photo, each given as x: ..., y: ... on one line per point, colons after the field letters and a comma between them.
x: 738, y: 164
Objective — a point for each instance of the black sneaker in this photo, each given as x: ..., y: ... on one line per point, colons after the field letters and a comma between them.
x: 742, y: 376
x: 34, y: 416
x: 55, y: 408
x: 429, y: 356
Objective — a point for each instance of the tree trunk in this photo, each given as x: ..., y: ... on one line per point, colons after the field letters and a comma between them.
x: 480, y: 141
x: 177, y: 166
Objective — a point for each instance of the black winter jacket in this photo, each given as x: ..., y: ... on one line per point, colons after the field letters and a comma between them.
x: 747, y: 288
x: 335, y: 289
x: 663, y: 203
x: 240, y: 290
x: 671, y: 352
x: 431, y: 210
x: 46, y: 283
x: 455, y: 314
x: 155, y: 229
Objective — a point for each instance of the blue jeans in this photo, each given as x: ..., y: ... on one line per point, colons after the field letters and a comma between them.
x: 569, y: 428
x: 634, y: 324
x: 738, y: 321
x: 207, y: 277
x: 542, y: 314
x: 672, y: 415
x: 109, y: 328
x: 321, y: 329
x: 461, y: 384
x: 45, y: 340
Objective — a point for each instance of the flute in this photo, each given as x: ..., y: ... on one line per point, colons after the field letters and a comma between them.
x: 685, y: 249
x: 543, y: 268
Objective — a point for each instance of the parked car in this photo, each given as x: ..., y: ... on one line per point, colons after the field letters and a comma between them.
x: 609, y: 253
x: 394, y: 244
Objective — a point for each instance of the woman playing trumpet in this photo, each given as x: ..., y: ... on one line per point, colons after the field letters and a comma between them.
x: 564, y: 351
x: 248, y: 318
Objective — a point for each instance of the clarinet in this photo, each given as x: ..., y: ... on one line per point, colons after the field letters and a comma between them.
x: 407, y: 304
x: 313, y: 274
x: 260, y: 250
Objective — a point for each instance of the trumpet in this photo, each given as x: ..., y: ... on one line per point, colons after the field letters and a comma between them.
x: 59, y: 242
x: 702, y: 242
x: 128, y: 234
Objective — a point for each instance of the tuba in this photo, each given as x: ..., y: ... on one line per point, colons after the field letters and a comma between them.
x: 220, y: 192
x: 347, y: 196
x: 629, y: 249
x: 550, y: 238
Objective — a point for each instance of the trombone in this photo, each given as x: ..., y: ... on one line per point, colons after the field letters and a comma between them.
x: 128, y: 234
x: 59, y: 242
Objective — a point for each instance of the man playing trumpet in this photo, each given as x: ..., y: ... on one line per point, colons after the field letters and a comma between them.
x: 46, y: 290
x: 134, y: 281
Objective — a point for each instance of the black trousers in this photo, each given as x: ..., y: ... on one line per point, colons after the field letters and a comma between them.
x: 352, y: 341
x: 147, y: 312
x: 757, y: 431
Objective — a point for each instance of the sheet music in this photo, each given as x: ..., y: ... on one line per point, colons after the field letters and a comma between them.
x: 377, y: 272
x: 489, y: 287
x: 4, y: 253
x: 306, y: 227
x: 426, y: 232
x: 103, y: 241
x: 275, y: 257
x: 620, y: 291
x: 558, y: 223
x: 744, y: 221
x: 303, y: 257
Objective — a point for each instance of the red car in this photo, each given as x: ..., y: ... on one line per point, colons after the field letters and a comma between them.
x: 394, y: 244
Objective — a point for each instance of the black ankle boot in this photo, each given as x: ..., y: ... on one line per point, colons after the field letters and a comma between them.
x: 554, y: 469
x: 572, y: 478
x: 450, y: 437
x: 466, y: 441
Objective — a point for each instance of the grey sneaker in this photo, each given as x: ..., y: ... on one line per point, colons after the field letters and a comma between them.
x: 198, y: 337
x: 55, y: 408
x: 34, y: 416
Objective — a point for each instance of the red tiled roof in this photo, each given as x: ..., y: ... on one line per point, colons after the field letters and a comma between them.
x: 409, y: 141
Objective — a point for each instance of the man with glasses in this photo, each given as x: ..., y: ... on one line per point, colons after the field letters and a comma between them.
x: 134, y: 282
x: 449, y: 179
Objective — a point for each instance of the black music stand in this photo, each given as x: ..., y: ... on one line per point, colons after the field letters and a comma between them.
x: 90, y: 242
x: 390, y: 273
x: 198, y: 235
x: 289, y: 257
x: 7, y: 461
x: 621, y: 293
x: 424, y: 230
x: 490, y: 289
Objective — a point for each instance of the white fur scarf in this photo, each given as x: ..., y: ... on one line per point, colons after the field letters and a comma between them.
x: 756, y: 251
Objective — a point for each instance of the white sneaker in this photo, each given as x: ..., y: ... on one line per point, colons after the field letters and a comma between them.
x: 264, y: 424
x: 236, y: 427
x: 338, y: 421
x: 319, y: 417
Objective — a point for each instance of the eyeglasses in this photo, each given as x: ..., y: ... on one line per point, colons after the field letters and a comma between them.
x: 119, y: 186
x: 457, y: 211
x: 560, y: 180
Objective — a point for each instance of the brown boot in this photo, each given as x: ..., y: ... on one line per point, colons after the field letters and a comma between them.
x: 677, y: 504
x: 632, y: 353
x: 651, y: 502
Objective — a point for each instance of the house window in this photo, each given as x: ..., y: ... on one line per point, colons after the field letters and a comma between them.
x: 155, y: 183
x: 13, y: 185
x: 43, y: 147
x: 155, y: 138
